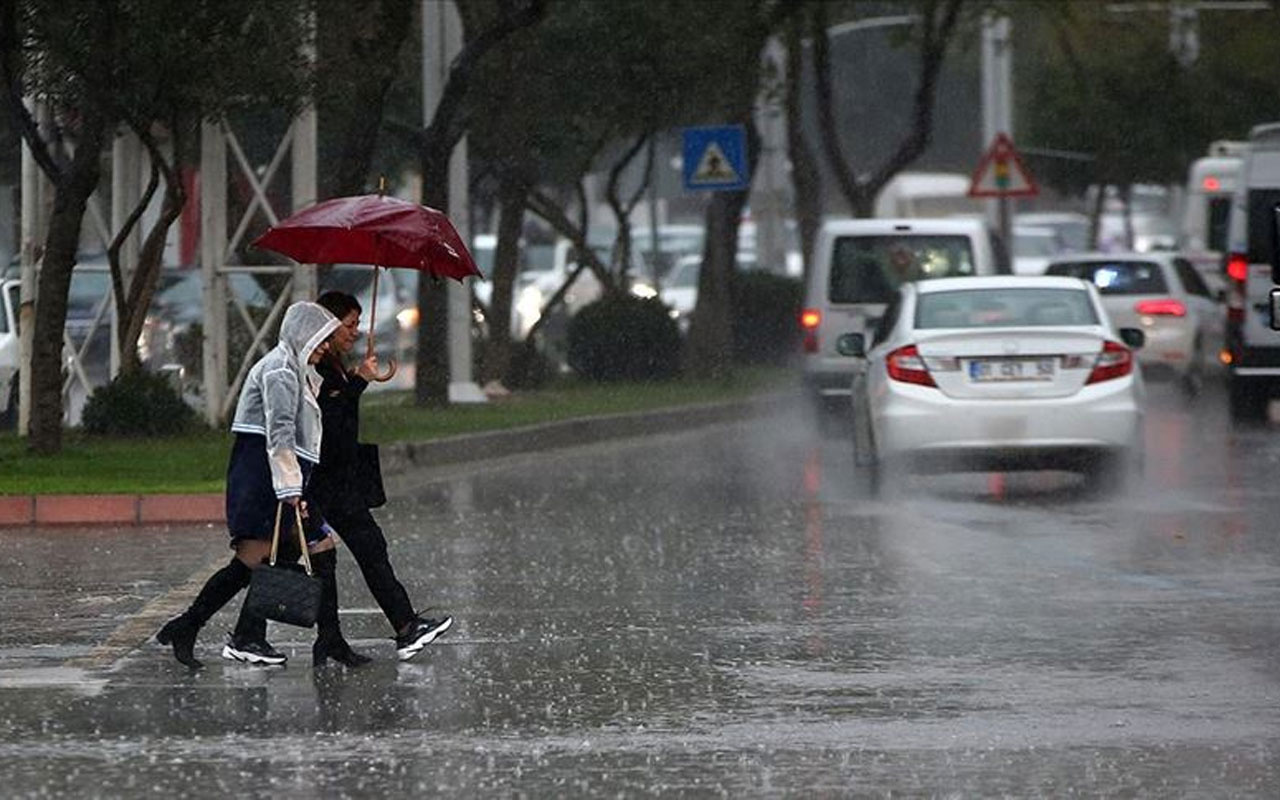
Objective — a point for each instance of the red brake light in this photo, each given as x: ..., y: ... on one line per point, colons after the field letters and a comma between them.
x: 1237, y: 267
x: 1211, y: 184
x: 810, y: 318
x: 1164, y: 307
x: 1115, y: 361
x: 906, y: 365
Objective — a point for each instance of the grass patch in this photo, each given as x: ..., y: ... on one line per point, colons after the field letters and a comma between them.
x: 198, y: 462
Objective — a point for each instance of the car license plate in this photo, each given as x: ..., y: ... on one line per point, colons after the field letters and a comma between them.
x: 997, y: 370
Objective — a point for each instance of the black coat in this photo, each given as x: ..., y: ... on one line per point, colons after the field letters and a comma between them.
x: 337, y: 484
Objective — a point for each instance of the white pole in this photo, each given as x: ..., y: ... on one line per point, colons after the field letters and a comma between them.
x: 36, y: 195
x: 997, y: 104
x: 441, y: 41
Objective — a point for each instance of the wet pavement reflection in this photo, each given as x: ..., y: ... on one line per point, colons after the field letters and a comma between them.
x: 714, y: 612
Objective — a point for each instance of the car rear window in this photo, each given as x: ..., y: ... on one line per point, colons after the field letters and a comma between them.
x: 1115, y: 277
x: 1004, y: 308
x: 869, y: 269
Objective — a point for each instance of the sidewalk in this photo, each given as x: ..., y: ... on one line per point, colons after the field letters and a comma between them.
x: 135, y: 509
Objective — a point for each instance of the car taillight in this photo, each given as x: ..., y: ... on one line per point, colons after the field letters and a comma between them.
x: 1237, y: 267
x: 1163, y: 307
x: 906, y: 365
x: 1115, y: 361
x: 809, y: 321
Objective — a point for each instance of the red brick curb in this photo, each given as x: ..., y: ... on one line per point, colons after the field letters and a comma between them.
x: 107, y: 509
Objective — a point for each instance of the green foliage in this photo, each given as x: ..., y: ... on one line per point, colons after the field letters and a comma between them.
x: 1106, y: 83
x: 161, y: 60
x: 766, y: 308
x: 623, y: 337
x: 137, y: 403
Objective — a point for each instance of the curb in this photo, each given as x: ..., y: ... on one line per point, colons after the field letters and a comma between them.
x: 135, y: 509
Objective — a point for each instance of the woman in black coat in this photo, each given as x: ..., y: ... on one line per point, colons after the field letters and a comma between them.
x: 344, y: 486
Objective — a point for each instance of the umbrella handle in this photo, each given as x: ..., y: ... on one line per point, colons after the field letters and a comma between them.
x: 392, y: 366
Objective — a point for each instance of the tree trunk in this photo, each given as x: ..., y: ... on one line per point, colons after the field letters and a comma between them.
x: 506, y: 262
x: 708, y: 349
x: 71, y: 195
x: 378, y: 52
x: 805, y: 175
x: 431, y: 383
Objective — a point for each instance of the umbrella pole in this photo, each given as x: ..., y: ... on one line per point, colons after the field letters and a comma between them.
x: 373, y: 321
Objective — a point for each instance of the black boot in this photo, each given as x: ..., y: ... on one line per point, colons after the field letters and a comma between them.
x: 181, y: 631
x: 329, y: 641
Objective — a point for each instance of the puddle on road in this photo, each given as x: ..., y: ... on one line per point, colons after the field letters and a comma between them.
x: 52, y: 677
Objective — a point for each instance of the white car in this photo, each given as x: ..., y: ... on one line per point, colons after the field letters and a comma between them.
x: 1165, y: 296
x: 8, y: 351
x: 996, y: 373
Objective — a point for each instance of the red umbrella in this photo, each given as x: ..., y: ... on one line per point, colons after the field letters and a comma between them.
x: 373, y: 229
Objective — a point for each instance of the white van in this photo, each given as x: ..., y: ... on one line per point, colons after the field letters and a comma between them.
x: 859, y: 265
x: 927, y: 194
x: 1211, y: 182
x: 1252, y: 351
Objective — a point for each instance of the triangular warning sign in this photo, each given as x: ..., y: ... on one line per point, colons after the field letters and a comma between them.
x: 1001, y: 173
x: 713, y: 168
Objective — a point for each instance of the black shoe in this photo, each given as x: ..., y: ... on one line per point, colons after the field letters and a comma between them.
x: 423, y: 633
x: 181, y: 633
x: 253, y: 652
x: 339, y: 651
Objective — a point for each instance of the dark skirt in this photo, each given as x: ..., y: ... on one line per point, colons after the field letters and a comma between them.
x: 251, y: 498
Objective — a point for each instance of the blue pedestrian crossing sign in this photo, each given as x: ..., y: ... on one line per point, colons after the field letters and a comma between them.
x: 715, y: 158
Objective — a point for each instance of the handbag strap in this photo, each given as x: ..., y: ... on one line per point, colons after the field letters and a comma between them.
x: 302, y: 539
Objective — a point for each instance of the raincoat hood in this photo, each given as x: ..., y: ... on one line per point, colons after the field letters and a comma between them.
x: 278, y: 399
x: 305, y: 327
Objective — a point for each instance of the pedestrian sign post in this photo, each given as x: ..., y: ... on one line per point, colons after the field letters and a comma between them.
x: 1000, y: 173
x: 715, y: 158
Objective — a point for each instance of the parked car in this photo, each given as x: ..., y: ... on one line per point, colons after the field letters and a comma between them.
x: 995, y: 373
x: 9, y: 299
x: 1165, y: 296
x: 859, y: 265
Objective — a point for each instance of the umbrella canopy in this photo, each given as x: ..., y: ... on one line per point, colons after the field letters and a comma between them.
x: 373, y: 229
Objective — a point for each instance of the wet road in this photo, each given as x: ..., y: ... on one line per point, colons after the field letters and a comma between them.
x: 711, y: 613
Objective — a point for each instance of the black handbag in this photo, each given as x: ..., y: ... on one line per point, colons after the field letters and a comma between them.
x: 369, y: 475
x: 286, y: 593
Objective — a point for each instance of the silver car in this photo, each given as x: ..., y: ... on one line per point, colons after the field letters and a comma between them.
x: 1164, y: 296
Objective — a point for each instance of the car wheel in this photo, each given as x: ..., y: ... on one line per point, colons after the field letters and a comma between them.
x: 866, y: 462
x: 1247, y: 402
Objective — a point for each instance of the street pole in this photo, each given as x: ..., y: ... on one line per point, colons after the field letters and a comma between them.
x: 441, y: 42
x: 997, y: 107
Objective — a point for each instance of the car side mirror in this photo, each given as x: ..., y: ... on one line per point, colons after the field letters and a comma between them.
x: 852, y: 344
x: 1275, y: 309
x: 1133, y: 337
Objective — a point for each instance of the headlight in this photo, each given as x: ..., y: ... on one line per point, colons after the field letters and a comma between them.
x: 643, y: 290
x: 407, y: 318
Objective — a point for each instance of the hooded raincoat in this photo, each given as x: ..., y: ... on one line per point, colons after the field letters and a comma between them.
x: 278, y: 399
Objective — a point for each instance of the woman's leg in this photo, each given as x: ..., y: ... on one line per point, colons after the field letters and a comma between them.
x: 249, y: 637
x: 181, y: 631
x: 329, y: 640
x: 368, y: 547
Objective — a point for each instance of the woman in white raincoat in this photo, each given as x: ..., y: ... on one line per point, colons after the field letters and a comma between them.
x: 277, y: 442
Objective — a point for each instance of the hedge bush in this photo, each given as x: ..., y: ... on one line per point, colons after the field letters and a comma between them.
x: 624, y: 338
x: 766, y: 313
x: 137, y: 404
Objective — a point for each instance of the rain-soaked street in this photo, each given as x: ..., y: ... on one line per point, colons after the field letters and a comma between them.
x: 716, y: 612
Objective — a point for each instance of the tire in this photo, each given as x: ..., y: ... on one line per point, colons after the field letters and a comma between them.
x: 1247, y: 402
x: 866, y: 461
x: 9, y: 417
